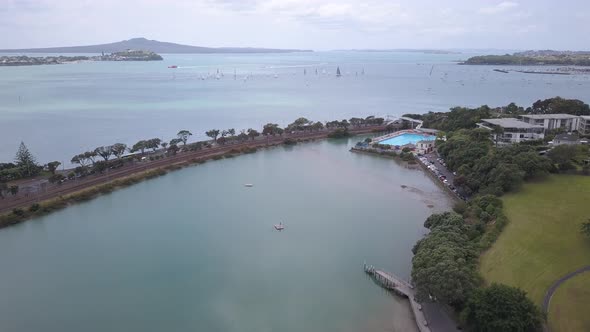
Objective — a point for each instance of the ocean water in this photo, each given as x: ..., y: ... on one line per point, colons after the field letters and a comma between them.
x: 195, y: 250
x: 62, y: 110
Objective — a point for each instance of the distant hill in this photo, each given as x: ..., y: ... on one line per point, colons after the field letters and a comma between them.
x: 150, y: 45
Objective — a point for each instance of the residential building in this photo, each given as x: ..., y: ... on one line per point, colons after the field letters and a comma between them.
x: 565, y: 139
x: 512, y: 130
x: 584, y: 125
x: 567, y: 122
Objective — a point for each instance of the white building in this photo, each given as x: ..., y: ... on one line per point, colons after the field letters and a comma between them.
x: 513, y: 130
x: 584, y: 125
x: 567, y: 122
x: 424, y: 147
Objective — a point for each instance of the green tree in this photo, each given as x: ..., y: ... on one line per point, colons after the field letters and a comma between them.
x: 231, y: 132
x: 299, y: 124
x: 213, y: 133
x: 317, y: 126
x: 175, y: 141
x: 585, y: 229
x: 563, y: 155
x: 139, y: 146
x: 270, y: 129
x: 119, y: 149
x: 444, y: 266
x: 104, y: 151
x: 497, y: 131
x: 253, y: 133
x: 79, y: 159
x: 501, y: 308
x: 52, y: 166
x: 153, y: 144
x: 560, y: 105
x: 183, y: 135
x: 25, y: 161
x: 90, y: 155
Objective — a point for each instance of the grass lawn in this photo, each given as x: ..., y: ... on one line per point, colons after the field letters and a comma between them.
x: 572, y: 299
x: 542, y: 241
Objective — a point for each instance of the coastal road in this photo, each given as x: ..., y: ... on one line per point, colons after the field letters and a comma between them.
x: 69, y: 187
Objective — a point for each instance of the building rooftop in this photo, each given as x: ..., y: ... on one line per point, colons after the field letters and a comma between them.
x: 566, y: 137
x: 511, y: 123
x: 549, y: 116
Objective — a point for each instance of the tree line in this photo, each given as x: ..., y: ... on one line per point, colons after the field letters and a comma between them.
x: 444, y: 266
x: 102, y: 158
x: 467, y: 118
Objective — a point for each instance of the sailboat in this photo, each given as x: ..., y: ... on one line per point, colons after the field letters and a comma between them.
x: 338, y: 74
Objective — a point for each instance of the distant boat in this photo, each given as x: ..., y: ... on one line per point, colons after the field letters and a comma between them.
x: 338, y: 74
x: 279, y: 226
x: 248, y: 185
x: 173, y: 66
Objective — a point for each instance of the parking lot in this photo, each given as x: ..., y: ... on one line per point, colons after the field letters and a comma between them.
x: 436, y: 165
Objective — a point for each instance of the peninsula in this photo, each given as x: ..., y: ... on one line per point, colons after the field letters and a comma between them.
x: 152, y: 45
x: 534, y: 58
x: 128, y: 55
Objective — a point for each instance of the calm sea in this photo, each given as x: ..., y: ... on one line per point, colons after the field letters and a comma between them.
x: 62, y: 110
x: 195, y: 250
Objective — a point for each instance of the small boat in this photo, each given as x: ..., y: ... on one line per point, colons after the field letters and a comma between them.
x: 338, y: 74
x: 173, y: 66
x: 279, y: 226
x: 248, y: 185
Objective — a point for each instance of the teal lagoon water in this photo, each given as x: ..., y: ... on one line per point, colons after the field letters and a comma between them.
x: 63, y: 110
x: 407, y: 138
x: 195, y: 250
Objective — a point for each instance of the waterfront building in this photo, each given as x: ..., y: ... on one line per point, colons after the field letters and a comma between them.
x: 425, y: 146
x: 567, y: 122
x: 584, y: 125
x: 512, y: 130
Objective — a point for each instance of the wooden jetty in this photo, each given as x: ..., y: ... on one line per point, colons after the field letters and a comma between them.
x: 403, y: 288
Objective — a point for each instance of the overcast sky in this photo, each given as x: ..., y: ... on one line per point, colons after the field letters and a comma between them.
x: 313, y: 24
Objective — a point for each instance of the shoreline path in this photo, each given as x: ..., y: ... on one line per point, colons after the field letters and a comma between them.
x: 555, y: 286
x: 70, y: 187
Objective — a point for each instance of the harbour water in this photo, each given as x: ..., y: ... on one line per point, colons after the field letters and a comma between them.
x: 62, y: 110
x: 196, y: 250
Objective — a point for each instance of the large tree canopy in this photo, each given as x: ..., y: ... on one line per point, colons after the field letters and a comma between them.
x: 501, y: 308
x: 445, y: 261
x: 560, y: 105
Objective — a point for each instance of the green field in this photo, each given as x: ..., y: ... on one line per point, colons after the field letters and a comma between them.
x: 572, y: 299
x: 542, y: 241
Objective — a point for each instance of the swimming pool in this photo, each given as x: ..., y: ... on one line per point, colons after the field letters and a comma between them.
x: 407, y: 138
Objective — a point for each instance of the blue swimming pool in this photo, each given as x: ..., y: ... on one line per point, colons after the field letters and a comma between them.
x: 407, y: 138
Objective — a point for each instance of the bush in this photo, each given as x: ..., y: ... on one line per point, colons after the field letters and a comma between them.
x: 339, y: 133
x: 18, y: 212
x: 34, y: 208
x: 289, y: 141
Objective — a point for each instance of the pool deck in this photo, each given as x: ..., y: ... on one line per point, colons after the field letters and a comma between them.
x: 399, y: 133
